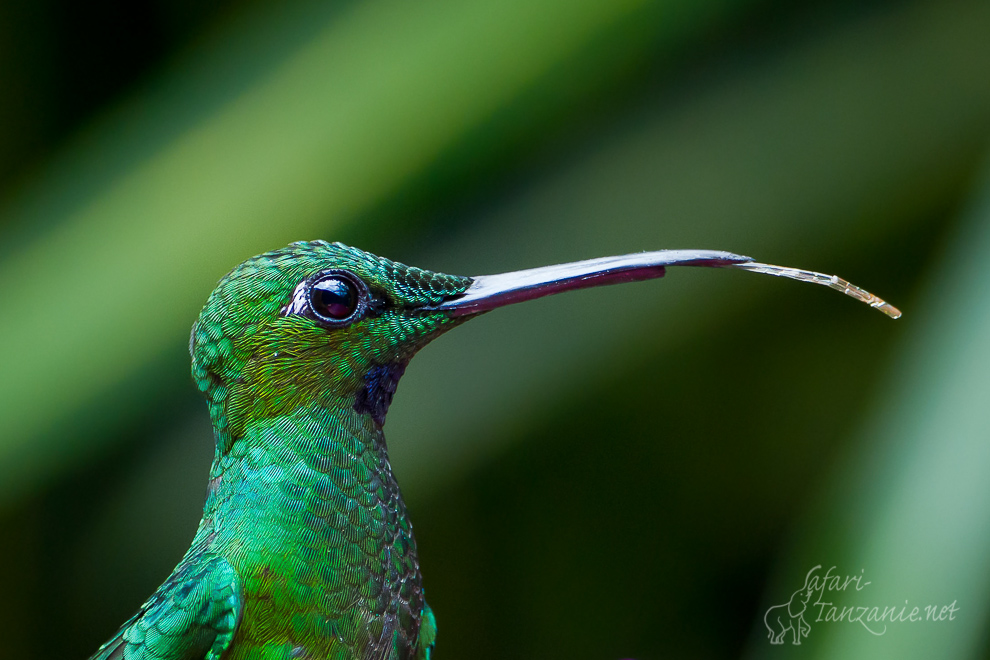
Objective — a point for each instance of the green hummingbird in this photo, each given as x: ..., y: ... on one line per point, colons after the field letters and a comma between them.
x: 305, y: 550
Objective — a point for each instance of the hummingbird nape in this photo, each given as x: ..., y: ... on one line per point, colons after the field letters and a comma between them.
x: 305, y: 550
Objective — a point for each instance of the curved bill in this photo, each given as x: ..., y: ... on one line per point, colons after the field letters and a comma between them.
x: 487, y: 292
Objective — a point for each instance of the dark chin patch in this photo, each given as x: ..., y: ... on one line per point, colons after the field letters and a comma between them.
x: 379, y: 388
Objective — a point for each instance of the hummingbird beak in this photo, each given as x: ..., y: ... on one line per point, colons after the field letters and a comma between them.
x: 488, y: 292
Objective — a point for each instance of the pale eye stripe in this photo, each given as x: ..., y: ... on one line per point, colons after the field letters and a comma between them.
x: 297, y: 305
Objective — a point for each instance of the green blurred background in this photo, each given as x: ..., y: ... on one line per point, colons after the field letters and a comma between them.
x: 636, y: 471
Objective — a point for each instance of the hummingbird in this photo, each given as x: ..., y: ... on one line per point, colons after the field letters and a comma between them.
x: 305, y: 549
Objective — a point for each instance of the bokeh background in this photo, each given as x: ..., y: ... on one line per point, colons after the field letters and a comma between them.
x: 636, y: 471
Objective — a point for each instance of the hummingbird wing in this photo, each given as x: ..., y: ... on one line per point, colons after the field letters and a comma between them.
x: 193, y: 616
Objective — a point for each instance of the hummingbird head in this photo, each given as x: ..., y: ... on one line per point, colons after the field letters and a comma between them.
x: 314, y: 323
x: 323, y: 324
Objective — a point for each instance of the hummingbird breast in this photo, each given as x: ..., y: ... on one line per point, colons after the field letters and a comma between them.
x: 307, y: 510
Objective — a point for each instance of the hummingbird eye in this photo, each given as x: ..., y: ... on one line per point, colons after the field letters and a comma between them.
x: 336, y: 299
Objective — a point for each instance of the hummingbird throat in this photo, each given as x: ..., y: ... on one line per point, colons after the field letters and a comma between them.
x: 379, y: 388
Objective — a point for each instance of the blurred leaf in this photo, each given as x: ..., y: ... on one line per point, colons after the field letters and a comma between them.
x: 909, y: 506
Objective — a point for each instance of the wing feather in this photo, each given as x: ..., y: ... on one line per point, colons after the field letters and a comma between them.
x: 193, y: 616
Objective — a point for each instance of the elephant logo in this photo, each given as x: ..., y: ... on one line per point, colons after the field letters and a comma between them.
x: 790, y: 615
